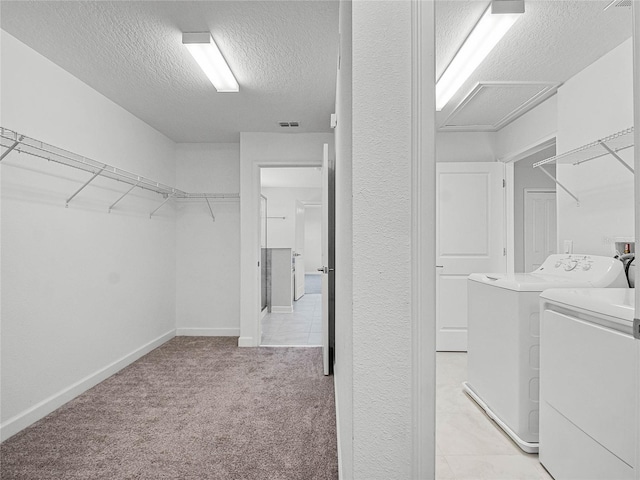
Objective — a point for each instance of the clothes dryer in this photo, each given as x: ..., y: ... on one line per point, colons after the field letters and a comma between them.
x: 504, y: 336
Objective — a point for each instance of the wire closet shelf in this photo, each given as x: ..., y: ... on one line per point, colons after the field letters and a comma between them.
x: 606, y: 146
x: 12, y: 140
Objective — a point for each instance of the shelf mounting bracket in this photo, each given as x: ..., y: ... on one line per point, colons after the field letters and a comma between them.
x: 123, y: 195
x: 82, y: 187
x: 210, y: 209
x: 615, y: 155
x: 10, y: 149
x: 559, y: 184
x: 161, y: 205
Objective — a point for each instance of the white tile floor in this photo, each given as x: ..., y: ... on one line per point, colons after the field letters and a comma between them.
x: 469, y: 445
x: 302, y: 327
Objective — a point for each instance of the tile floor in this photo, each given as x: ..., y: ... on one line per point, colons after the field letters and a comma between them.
x: 469, y: 445
x: 303, y: 327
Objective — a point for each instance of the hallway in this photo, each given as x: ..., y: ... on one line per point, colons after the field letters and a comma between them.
x: 303, y: 327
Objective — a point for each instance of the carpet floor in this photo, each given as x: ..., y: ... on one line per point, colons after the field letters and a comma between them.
x: 194, y: 408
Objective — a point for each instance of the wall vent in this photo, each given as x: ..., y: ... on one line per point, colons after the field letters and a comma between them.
x: 619, y: 3
x: 289, y: 124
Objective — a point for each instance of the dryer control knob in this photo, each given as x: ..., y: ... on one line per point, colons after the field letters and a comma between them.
x: 571, y: 265
x: 558, y: 264
x: 586, y: 266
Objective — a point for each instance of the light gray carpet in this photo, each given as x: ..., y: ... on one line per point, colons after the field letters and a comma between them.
x: 195, y: 408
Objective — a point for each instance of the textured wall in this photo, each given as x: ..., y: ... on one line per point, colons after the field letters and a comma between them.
x: 465, y: 147
x: 381, y: 169
x: 82, y: 288
x: 208, y: 252
x: 593, y: 104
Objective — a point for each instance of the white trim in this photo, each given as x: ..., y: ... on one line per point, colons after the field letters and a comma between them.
x: 208, y: 332
x: 528, y: 447
x: 338, y: 440
x: 510, y: 216
x: 423, y: 240
x: 246, y: 342
x: 550, y: 89
x: 263, y: 314
x: 281, y: 309
x: 48, y: 405
x: 531, y: 149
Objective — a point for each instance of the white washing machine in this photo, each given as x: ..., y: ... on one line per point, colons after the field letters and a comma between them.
x: 588, y: 382
x: 504, y: 336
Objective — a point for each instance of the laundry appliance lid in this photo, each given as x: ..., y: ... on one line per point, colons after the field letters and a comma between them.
x: 527, y: 282
x: 612, y: 302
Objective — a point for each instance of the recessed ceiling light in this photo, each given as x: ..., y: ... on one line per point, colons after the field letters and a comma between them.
x: 210, y: 59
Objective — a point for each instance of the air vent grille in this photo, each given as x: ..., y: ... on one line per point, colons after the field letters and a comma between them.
x: 289, y: 124
x: 619, y: 3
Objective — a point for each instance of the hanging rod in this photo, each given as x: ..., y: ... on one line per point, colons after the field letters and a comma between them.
x: 610, y: 145
x: 12, y: 140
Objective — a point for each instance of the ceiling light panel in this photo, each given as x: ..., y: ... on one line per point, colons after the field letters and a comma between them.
x: 205, y: 51
x: 485, y: 35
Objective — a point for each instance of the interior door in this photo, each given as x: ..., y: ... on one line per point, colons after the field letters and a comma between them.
x: 540, y: 227
x: 325, y: 259
x: 299, y: 252
x: 470, y: 237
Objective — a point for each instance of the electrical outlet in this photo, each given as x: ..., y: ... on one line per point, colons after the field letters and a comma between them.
x: 568, y: 246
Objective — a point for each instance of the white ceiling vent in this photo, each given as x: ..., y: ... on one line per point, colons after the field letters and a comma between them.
x: 492, y: 105
x: 619, y: 3
x: 289, y: 124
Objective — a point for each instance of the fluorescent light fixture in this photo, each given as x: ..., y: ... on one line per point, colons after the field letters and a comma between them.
x: 484, y: 36
x: 210, y: 59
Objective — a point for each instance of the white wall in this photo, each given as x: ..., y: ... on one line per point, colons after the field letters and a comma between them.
x: 595, y: 103
x: 207, y: 251
x: 84, y: 292
x: 466, y: 147
x: 281, y: 202
x: 312, y: 238
x: 527, y: 131
x: 381, y: 240
x: 259, y: 150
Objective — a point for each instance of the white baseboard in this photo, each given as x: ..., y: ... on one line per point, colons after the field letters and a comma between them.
x: 48, y: 405
x: 208, y: 332
x: 265, y: 310
x: 338, y: 442
x: 246, y: 342
x: 281, y: 309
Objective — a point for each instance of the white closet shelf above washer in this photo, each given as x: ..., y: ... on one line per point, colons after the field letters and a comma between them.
x: 603, y: 147
x: 610, y: 145
x: 11, y: 141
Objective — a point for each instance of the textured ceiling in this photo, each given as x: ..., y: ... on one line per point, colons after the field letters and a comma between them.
x: 551, y: 42
x: 283, y: 53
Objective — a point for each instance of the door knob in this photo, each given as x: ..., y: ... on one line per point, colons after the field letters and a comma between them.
x: 325, y: 269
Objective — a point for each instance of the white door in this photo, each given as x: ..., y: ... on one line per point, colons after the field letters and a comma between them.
x: 470, y: 238
x: 325, y: 258
x: 539, y: 227
x: 299, y: 251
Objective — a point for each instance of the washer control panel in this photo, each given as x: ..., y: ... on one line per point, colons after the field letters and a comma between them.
x: 591, y: 268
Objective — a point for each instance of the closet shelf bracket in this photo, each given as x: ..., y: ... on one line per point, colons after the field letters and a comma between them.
x: 210, y: 209
x: 168, y: 197
x: 559, y: 184
x: 123, y: 195
x: 616, y: 156
x: 82, y: 187
x: 11, y: 147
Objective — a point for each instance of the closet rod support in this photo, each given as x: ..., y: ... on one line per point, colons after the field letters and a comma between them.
x: 210, y: 209
x: 169, y: 197
x: 10, y: 149
x: 124, y: 195
x: 559, y: 184
x: 615, y: 155
x: 82, y: 187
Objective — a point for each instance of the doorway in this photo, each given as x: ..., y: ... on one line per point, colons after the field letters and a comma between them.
x: 293, y: 197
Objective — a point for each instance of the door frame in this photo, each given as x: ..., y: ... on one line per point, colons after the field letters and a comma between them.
x: 509, y: 192
x: 636, y: 109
